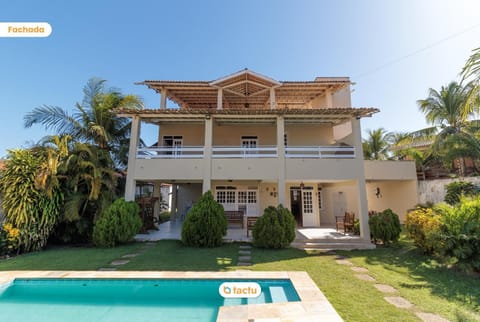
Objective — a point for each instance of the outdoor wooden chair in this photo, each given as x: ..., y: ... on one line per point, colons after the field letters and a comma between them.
x: 234, y: 217
x: 250, y: 222
x: 345, y: 222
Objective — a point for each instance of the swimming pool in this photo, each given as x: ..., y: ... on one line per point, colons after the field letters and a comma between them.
x: 105, y: 300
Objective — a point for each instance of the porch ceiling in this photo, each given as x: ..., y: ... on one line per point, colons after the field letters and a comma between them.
x: 246, y: 89
x: 331, y: 115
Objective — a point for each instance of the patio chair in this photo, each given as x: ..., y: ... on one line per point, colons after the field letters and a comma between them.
x: 250, y: 223
x: 345, y: 222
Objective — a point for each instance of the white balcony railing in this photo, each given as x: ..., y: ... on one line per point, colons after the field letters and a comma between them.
x: 244, y: 152
x: 320, y: 152
x: 177, y: 152
x: 238, y: 152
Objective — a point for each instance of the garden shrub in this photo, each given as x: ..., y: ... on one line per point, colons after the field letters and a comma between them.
x: 460, y: 233
x: 206, y: 223
x: 458, y: 188
x: 384, y: 226
x: 275, y: 229
x: 423, y: 226
x: 118, y: 224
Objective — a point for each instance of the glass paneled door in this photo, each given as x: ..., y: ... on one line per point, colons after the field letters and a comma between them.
x: 308, y: 207
x: 249, y: 143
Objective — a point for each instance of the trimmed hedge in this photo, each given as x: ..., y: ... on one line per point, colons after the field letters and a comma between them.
x: 118, y: 224
x: 385, y: 226
x: 205, y: 224
x: 275, y: 229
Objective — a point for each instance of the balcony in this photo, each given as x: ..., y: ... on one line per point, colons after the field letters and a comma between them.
x: 239, y: 152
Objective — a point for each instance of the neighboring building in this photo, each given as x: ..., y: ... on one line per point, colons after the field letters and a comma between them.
x: 254, y: 142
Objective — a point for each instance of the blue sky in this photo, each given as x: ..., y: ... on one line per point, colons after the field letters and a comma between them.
x: 393, y: 50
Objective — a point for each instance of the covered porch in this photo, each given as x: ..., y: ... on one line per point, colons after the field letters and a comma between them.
x: 325, y: 238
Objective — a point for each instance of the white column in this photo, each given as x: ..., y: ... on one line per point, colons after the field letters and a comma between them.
x: 173, y: 210
x: 328, y: 98
x: 220, y: 99
x: 282, y: 194
x: 207, y: 157
x: 132, y: 156
x: 361, y: 186
x: 157, y: 194
x: 272, y: 98
x: 163, y: 103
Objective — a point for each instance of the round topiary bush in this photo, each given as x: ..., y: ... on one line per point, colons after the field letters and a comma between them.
x: 205, y: 224
x: 275, y: 229
x: 384, y: 226
x: 118, y: 224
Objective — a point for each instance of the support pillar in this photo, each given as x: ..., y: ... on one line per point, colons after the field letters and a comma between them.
x: 157, y: 194
x: 173, y: 211
x: 272, y: 98
x: 207, y: 156
x: 163, y: 102
x: 282, y: 194
x: 220, y: 99
x: 328, y: 98
x: 130, y: 184
x: 361, y: 186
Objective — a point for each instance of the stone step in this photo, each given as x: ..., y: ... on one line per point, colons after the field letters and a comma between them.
x: 332, y: 245
x: 244, y: 252
x: 331, y: 240
x: 245, y: 247
x: 244, y: 264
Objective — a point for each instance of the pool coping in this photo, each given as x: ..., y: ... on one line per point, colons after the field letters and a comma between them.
x: 313, y: 305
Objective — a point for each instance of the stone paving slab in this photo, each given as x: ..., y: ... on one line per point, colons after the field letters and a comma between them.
x: 245, y: 258
x: 430, y: 317
x: 339, y: 257
x: 384, y: 288
x: 107, y: 269
x: 130, y: 255
x: 365, y: 277
x: 399, y: 302
x: 344, y: 262
x: 359, y: 269
x: 244, y: 252
x: 245, y: 247
x: 119, y: 262
x: 244, y: 264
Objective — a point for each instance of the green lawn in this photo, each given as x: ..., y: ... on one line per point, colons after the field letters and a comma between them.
x: 417, y: 278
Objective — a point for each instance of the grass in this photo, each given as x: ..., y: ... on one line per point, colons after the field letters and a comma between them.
x: 418, y: 278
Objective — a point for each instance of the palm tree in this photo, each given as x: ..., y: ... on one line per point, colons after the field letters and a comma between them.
x: 376, y: 145
x: 453, y: 132
x: 93, y: 121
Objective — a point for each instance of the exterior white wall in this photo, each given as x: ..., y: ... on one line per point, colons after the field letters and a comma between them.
x: 193, y: 134
x: 338, y: 198
x: 342, y: 98
x: 168, y: 169
x: 323, y: 169
x: 231, y: 134
x: 390, y: 170
x: 187, y: 195
x: 268, y: 193
x: 398, y: 195
x: 308, y: 134
x: 435, y: 191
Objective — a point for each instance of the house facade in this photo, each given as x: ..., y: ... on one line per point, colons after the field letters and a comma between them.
x: 255, y: 142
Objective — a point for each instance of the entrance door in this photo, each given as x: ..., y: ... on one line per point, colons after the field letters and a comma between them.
x: 307, y: 207
x: 250, y: 144
x: 296, y: 204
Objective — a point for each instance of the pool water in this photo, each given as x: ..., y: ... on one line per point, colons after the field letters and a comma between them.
x: 114, y: 300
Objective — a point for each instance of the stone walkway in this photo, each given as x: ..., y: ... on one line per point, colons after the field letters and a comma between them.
x: 390, y: 292
x: 245, y: 255
x: 125, y: 259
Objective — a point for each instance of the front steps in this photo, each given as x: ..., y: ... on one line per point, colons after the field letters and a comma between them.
x: 326, y: 244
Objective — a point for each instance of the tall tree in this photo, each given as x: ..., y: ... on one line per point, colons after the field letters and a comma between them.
x: 93, y: 121
x: 376, y: 145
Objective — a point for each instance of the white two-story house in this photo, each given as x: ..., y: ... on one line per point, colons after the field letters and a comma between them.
x: 255, y: 141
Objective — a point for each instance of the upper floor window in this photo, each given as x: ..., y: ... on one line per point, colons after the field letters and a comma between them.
x: 249, y: 142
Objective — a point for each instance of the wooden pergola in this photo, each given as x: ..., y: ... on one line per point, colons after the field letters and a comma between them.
x: 247, y: 90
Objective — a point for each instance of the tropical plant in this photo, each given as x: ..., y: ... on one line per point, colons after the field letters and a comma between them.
x: 93, y: 121
x: 457, y: 189
x: 206, y: 223
x: 26, y: 207
x: 460, y: 233
x: 376, y: 145
x: 275, y: 229
x: 118, y: 224
x: 384, y: 226
x: 423, y: 226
